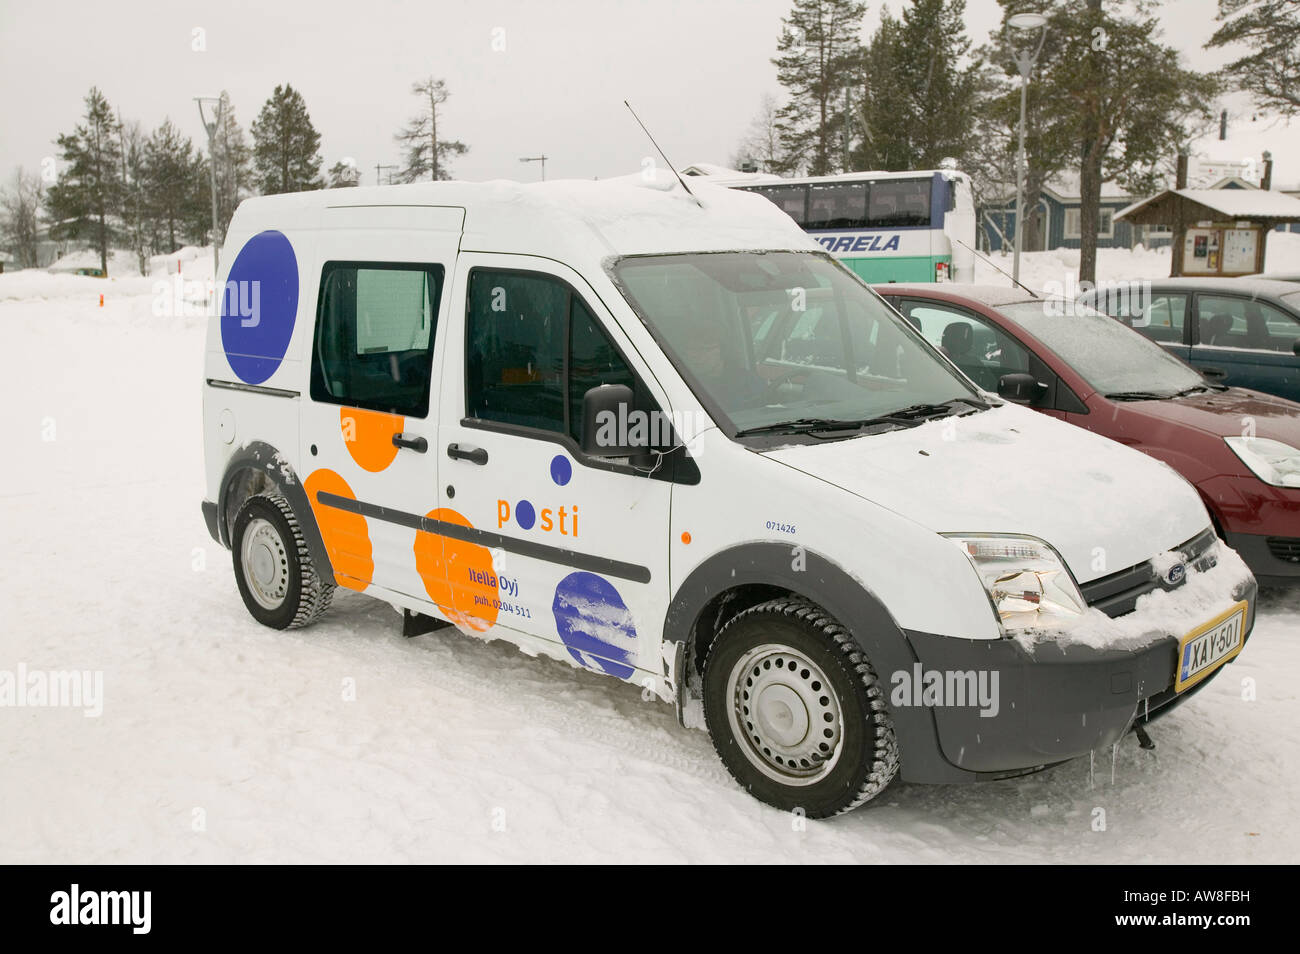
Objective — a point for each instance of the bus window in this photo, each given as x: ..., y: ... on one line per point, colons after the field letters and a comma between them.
x: 898, y: 203
x: 792, y: 200
x: 841, y: 205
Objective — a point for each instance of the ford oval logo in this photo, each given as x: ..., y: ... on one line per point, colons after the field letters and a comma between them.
x: 1176, y: 574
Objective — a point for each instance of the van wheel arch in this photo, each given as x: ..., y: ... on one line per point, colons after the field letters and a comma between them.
x: 738, y: 579
x: 259, y: 468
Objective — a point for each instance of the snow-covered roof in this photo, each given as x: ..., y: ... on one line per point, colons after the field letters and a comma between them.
x: 711, y: 169
x: 564, y: 219
x: 1065, y: 189
x: 1230, y: 203
x: 1249, y: 135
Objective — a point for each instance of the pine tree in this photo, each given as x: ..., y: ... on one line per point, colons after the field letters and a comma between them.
x: 20, y: 209
x: 1123, y: 99
x: 1270, y: 72
x: 87, y: 198
x: 818, y: 62
x: 885, y: 108
x: 178, y: 185
x: 942, y: 84
x: 286, y: 146
x: 921, y: 97
x: 426, y: 153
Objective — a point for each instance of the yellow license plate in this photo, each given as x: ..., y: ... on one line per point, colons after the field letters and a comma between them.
x: 1208, y: 647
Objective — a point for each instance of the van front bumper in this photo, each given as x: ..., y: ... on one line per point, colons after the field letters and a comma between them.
x: 1049, y: 701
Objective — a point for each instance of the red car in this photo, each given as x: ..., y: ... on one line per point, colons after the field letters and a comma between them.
x: 1239, y: 448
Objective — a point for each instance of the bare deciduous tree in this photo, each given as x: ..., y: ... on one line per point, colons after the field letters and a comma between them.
x: 20, y: 208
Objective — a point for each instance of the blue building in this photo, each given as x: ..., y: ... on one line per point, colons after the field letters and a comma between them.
x: 1058, y: 217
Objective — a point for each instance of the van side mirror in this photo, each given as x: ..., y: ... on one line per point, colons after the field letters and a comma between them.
x: 606, y: 411
x: 1020, y: 388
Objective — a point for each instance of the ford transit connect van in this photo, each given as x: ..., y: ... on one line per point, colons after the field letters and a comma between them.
x: 667, y: 438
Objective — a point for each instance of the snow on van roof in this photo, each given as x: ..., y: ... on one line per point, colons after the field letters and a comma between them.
x: 563, y: 219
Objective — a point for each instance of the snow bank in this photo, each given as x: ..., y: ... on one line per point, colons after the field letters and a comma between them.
x: 1061, y: 266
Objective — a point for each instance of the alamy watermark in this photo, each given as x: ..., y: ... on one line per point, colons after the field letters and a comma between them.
x: 59, y: 688
x: 1119, y: 299
x: 946, y: 688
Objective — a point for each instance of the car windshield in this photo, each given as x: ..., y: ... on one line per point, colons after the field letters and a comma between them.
x: 1111, y: 357
x: 788, y: 339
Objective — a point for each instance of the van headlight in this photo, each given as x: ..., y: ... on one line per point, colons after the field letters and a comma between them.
x: 1271, y: 461
x: 1027, y: 581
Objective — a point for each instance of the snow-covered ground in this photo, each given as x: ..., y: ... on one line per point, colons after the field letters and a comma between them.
x: 223, y: 741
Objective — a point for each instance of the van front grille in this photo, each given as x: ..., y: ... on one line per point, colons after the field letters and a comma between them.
x: 1118, y: 593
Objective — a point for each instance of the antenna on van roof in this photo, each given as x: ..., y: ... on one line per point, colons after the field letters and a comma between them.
x: 986, y: 259
x: 661, y: 152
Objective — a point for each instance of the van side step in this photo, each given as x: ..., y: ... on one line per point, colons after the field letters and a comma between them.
x: 417, y: 624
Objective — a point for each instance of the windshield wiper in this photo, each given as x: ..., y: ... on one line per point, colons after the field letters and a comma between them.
x: 1137, y: 396
x: 1192, y: 390
x: 911, y: 416
x: 926, y: 411
x: 810, y: 424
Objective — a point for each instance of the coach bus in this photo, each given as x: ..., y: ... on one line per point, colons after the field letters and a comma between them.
x: 885, y: 226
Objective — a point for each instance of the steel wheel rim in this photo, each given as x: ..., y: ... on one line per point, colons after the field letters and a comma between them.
x: 785, y: 714
x: 266, y: 564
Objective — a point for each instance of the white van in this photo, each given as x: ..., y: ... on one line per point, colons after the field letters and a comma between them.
x: 670, y: 439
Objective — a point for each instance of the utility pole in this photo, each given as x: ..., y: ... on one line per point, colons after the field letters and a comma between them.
x: 212, y: 128
x: 1023, y: 24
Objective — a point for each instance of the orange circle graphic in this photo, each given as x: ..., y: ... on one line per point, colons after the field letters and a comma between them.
x: 368, y: 436
x: 458, y: 576
x: 346, y: 537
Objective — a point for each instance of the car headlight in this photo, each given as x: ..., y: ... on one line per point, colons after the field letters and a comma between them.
x: 1026, y: 579
x: 1271, y: 461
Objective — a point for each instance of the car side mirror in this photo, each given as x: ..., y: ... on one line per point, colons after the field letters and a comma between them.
x: 1215, y: 374
x: 606, y: 412
x: 1020, y: 388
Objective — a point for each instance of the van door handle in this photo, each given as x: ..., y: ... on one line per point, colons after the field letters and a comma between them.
x: 476, y: 455
x: 417, y: 444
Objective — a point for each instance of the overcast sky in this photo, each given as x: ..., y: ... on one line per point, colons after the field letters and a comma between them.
x: 694, y: 69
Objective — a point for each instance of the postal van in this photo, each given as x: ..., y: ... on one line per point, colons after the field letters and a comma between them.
x: 668, y: 438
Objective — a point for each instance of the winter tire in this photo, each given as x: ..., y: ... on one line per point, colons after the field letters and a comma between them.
x: 273, y: 569
x: 796, y: 712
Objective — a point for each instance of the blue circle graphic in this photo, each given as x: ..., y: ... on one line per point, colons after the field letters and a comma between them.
x: 595, y: 624
x: 259, y: 305
x: 525, y: 515
x: 561, y: 469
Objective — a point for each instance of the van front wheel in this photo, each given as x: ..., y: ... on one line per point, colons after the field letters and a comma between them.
x: 273, y: 567
x: 796, y: 712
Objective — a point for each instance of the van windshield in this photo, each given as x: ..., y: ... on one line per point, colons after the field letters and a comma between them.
x: 772, y: 340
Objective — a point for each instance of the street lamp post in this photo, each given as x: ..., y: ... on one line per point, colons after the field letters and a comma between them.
x: 214, y: 103
x: 541, y: 159
x: 1025, y: 24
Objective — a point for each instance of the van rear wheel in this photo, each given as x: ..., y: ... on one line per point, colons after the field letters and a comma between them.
x: 796, y: 712
x: 273, y: 567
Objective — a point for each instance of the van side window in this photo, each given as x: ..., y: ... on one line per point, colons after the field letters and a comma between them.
x: 374, y: 336
x: 533, y: 349
x: 593, y: 361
